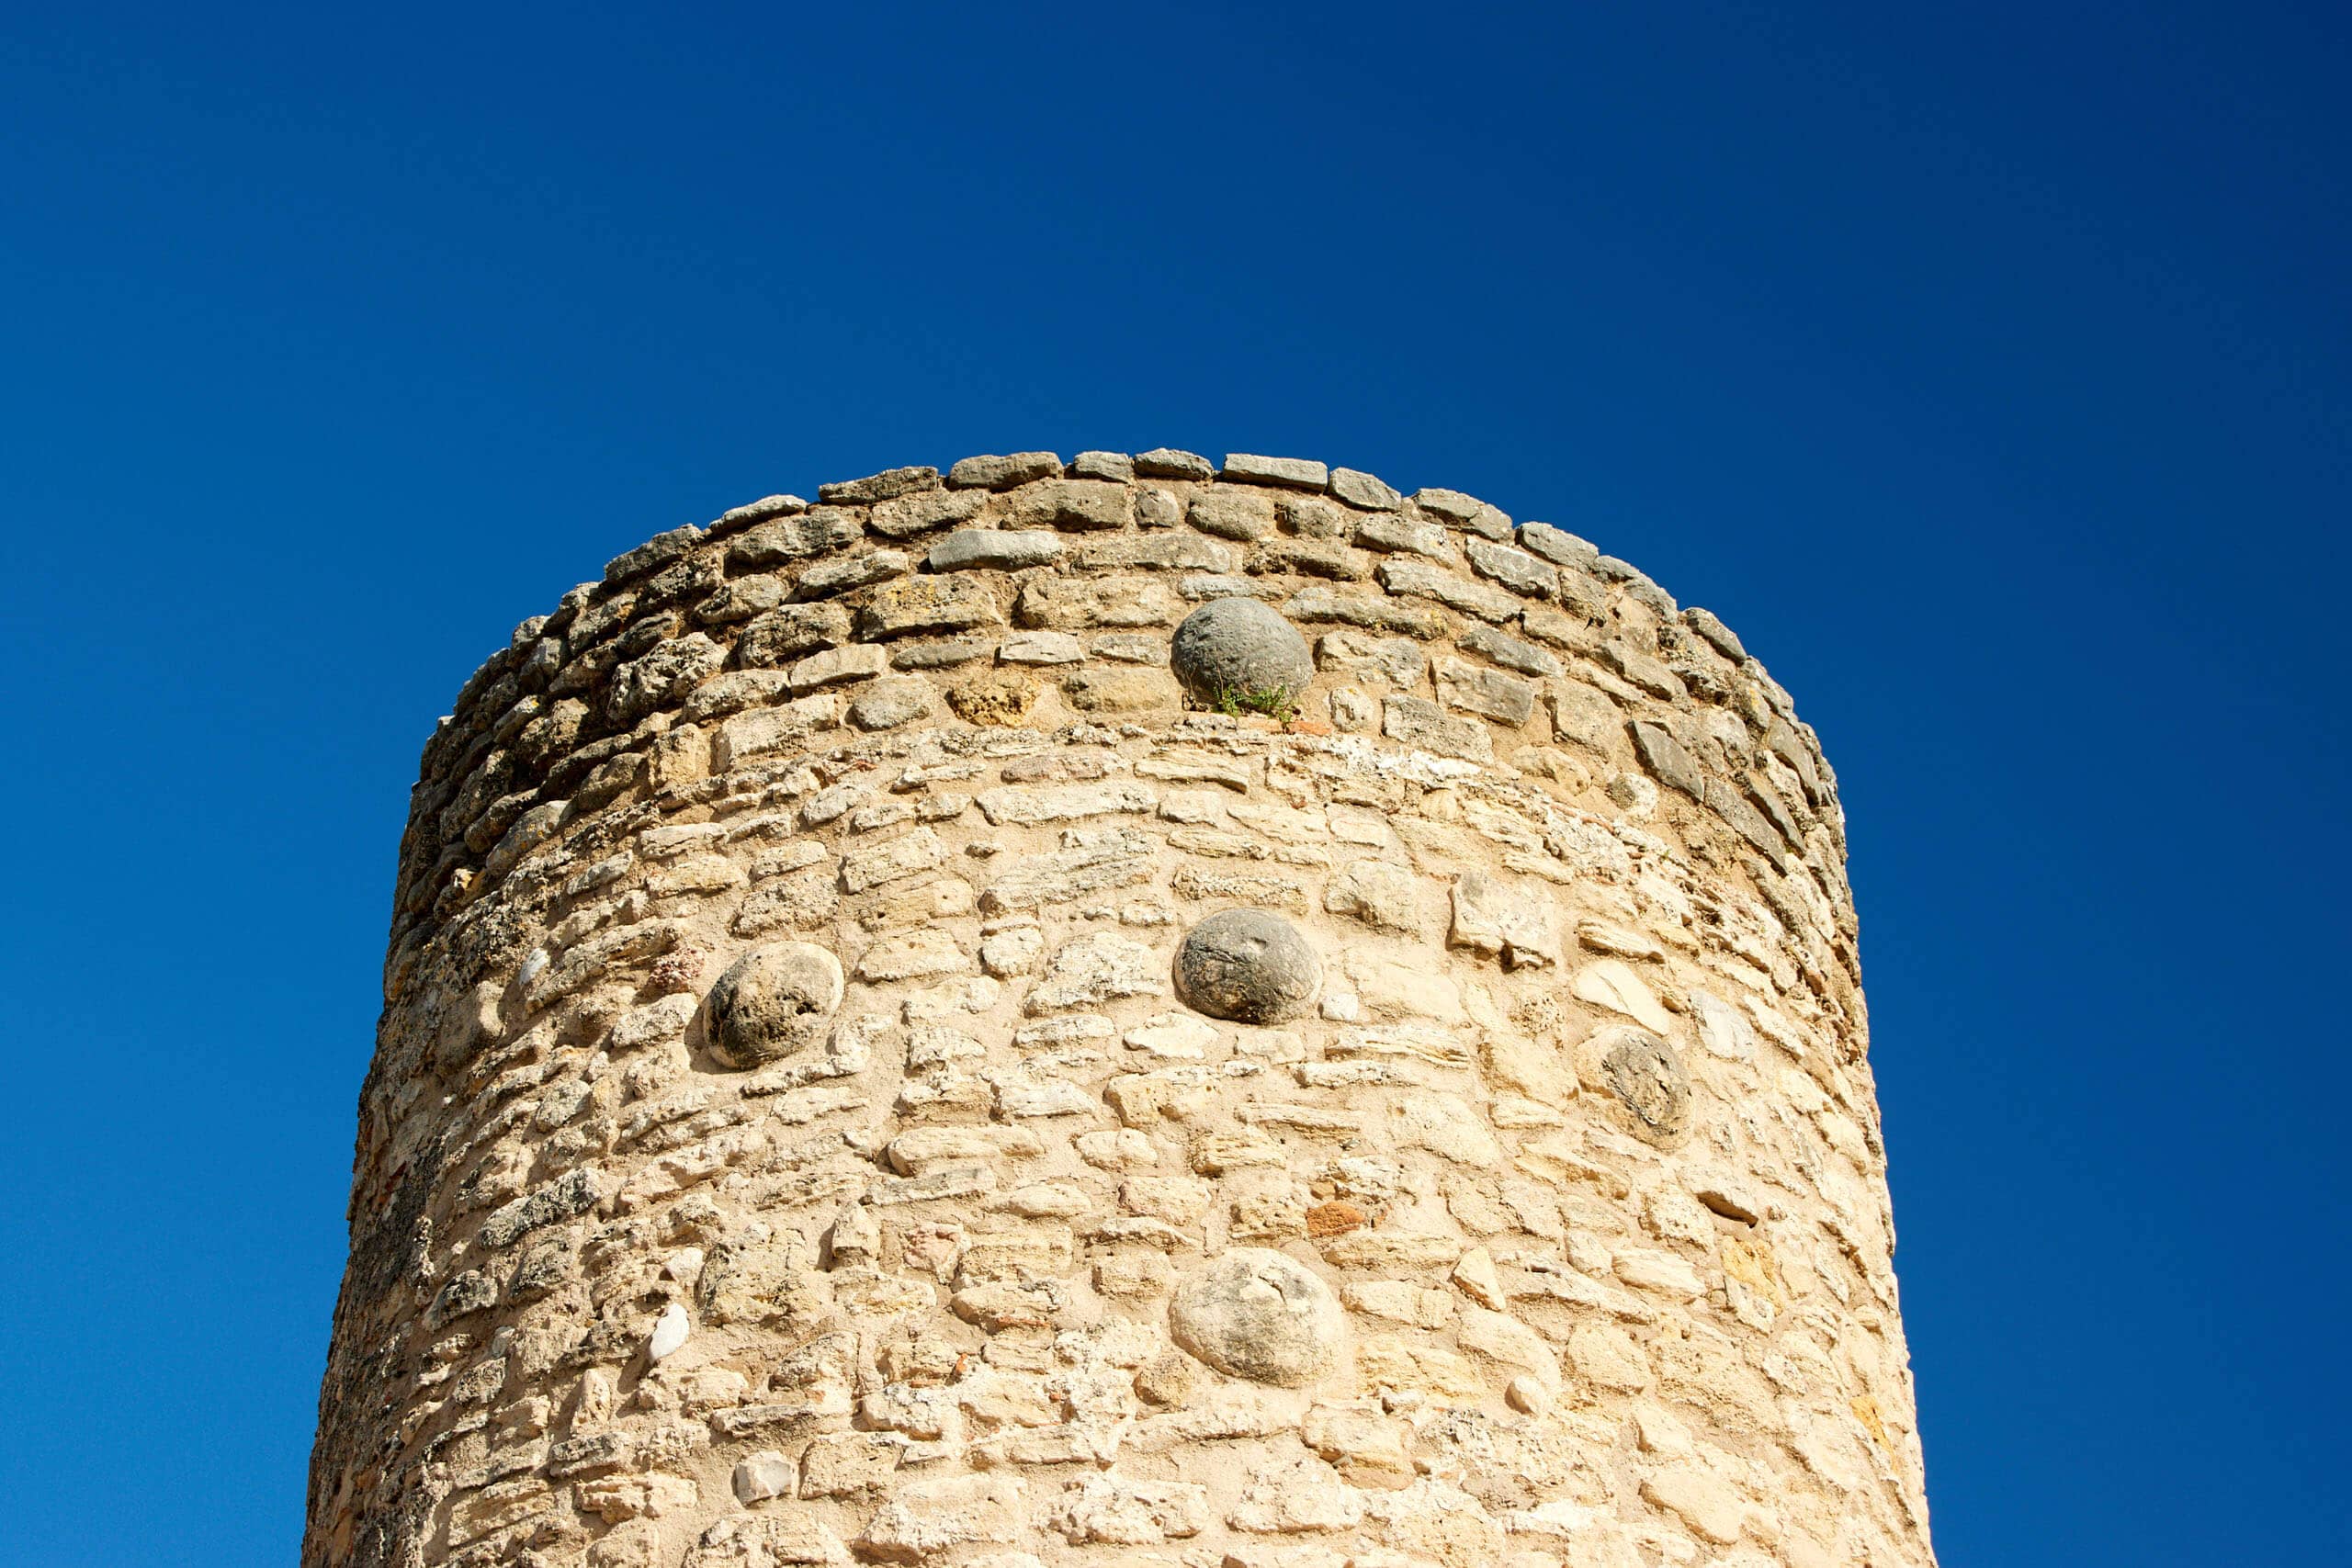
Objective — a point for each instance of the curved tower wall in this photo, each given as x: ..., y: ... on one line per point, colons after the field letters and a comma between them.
x: 828, y: 1108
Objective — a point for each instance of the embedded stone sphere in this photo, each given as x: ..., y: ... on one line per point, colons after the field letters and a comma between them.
x: 1257, y: 1315
x: 773, y: 1002
x: 1234, y: 649
x: 1642, y: 1071
x: 1247, y: 965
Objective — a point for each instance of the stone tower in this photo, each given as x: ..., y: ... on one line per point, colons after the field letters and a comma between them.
x: 1128, y: 1012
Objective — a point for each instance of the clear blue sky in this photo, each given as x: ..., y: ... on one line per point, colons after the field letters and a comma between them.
x: 1986, y: 366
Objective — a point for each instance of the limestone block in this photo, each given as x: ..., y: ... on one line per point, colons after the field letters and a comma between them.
x: 925, y: 1518
x: 1003, y: 473
x: 994, y: 550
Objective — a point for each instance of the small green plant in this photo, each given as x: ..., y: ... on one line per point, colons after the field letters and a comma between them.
x: 1274, y: 702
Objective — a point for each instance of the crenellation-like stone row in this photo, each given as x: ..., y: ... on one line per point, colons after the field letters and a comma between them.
x: 646, y: 588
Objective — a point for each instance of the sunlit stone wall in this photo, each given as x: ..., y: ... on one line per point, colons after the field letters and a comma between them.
x: 1133, y: 1011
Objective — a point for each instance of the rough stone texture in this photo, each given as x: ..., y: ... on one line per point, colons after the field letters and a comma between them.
x: 794, y: 1138
x: 1239, y: 647
x: 1260, y: 1316
x: 1643, y: 1070
x: 774, y: 1001
x: 1247, y: 966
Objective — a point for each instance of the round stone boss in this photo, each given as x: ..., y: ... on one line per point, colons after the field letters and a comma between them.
x: 1255, y: 1314
x: 1642, y: 1071
x: 1247, y: 965
x: 772, y: 1002
x: 1233, y: 649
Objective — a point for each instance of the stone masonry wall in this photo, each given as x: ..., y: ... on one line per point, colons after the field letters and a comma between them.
x: 895, y: 1053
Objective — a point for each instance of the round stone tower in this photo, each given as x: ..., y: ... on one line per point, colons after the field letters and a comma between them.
x: 1136, y: 1011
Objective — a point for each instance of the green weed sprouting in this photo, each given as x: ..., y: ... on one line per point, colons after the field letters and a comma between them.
x: 1274, y: 702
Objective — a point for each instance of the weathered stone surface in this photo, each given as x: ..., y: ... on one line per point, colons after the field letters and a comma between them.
x: 783, y: 635
x: 1172, y: 552
x: 1236, y: 647
x: 786, y: 539
x: 808, y: 1125
x: 1644, y: 1072
x: 993, y: 699
x: 1297, y: 472
x: 736, y: 518
x: 1383, y: 894
x: 1097, y: 968
x: 1115, y: 467
x: 1509, y: 651
x: 1613, y: 985
x: 1396, y: 662
x: 928, y: 605
x: 651, y: 556
x: 994, y: 550
x: 1709, y: 625
x: 1081, y: 504
x: 1023, y: 805
x: 1121, y: 691
x: 765, y: 731
x: 1490, y: 694
x: 1557, y: 545
x: 1232, y: 514
x: 892, y: 703
x: 763, y: 1475
x: 1667, y: 757
x: 1059, y: 603
x: 925, y: 1518
x: 1261, y: 1315
x: 870, y: 865
x: 858, y: 661
x: 1711, y: 1508
x: 885, y: 486
x: 1651, y: 675
x: 1003, y: 473
x: 1120, y: 1511
x: 925, y: 510
x: 740, y: 600
x: 1515, y: 570
x: 1090, y: 861
x: 762, y: 1540
x: 1040, y: 648
x: 1516, y: 925
x: 1420, y: 580
x: 1583, y: 716
x: 1418, y: 722
x: 663, y: 677
x: 1169, y: 463
x: 1390, y: 532
x: 1358, y: 489
x: 1248, y: 965
x: 773, y: 1002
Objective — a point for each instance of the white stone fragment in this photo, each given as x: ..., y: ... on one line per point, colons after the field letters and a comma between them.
x: 669, y: 1333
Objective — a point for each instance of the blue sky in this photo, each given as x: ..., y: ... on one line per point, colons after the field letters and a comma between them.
x: 1987, y: 367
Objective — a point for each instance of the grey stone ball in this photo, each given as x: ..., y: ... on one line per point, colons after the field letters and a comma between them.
x: 1255, y: 1314
x: 772, y: 1002
x: 1238, y: 646
x: 1642, y: 1071
x: 1247, y: 965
